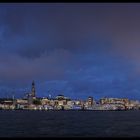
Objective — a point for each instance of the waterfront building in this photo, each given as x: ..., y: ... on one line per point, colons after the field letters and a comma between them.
x: 52, y: 102
x: 39, y: 107
x: 90, y: 101
x: 30, y: 99
x: 61, y: 101
x: 77, y: 102
x: 113, y: 107
x: 21, y: 104
x: 22, y: 101
x: 67, y: 107
x: 55, y: 102
x: 32, y: 107
x: 59, y: 107
x: 45, y: 101
x: 133, y: 105
x: 114, y: 101
x: 8, y: 104
x: 70, y: 103
x: 45, y: 107
x: 76, y: 107
x: 97, y: 107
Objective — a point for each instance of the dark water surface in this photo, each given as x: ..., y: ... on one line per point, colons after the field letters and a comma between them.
x: 69, y: 123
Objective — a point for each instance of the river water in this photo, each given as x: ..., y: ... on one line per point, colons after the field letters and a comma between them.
x: 69, y: 123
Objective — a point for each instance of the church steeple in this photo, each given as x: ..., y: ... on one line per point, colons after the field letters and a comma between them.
x: 33, y: 83
x: 33, y: 89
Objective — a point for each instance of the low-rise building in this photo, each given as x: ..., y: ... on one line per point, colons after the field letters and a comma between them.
x: 21, y: 101
x: 76, y: 107
x: 45, y: 101
x: 8, y: 104
x: 114, y: 101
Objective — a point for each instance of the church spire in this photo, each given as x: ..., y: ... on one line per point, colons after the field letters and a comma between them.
x: 33, y: 89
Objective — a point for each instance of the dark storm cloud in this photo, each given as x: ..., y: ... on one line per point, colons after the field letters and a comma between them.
x: 49, y: 28
x: 80, y: 49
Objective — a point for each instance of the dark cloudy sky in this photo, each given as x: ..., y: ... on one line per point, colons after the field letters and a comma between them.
x: 78, y: 50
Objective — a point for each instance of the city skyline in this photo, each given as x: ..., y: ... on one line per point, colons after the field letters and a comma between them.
x: 50, y: 95
x: 78, y: 50
x: 32, y: 102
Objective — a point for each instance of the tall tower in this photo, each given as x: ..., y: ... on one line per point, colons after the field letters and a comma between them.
x: 33, y: 89
x: 90, y: 101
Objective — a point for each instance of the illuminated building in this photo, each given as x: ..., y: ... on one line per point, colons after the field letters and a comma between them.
x: 76, y: 107
x: 21, y: 104
x: 70, y: 103
x: 113, y: 101
x: 52, y: 103
x: 61, y: 102
x: 90, y: 101
x: 7, y: 104
x: 77, y: 102
x: 22, y: 101
x: 45, y: 101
